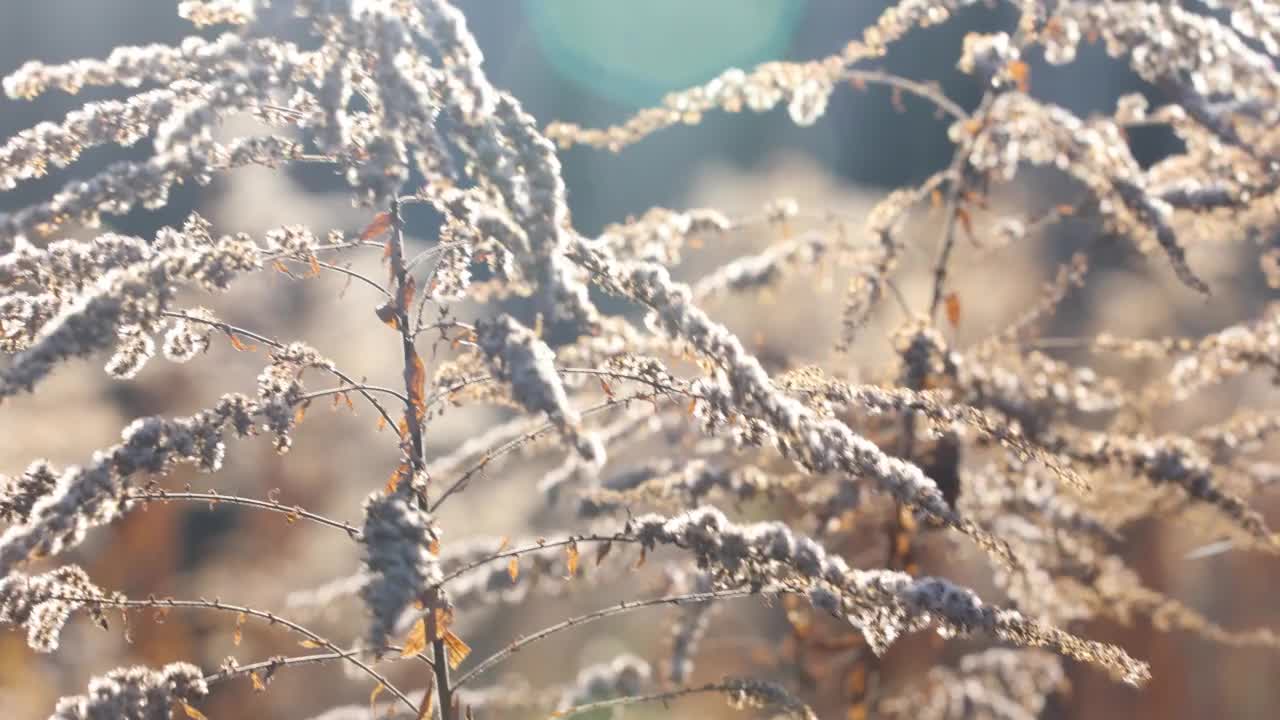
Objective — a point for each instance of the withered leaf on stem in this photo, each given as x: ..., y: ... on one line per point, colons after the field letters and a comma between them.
x: 571, y: 561
x: 953, y: 309
x: 416, y: 641
x: 417, y: 388
x: 388, y: 314
x: 379, y: 225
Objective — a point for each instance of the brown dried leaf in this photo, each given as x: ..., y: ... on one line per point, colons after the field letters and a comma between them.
x: 401, y: 472
x: 418, y: 388
x: 953, y: 309
x: 458, y: 650
x: 416, y: 641
x: 387, y: 313
x: 428, y: 700
x: 602, y: 551
x: 1021, y: 73
x: 571, y: 562
x: 407, y: 292
x: 239, y: 345
x: 380, y: 224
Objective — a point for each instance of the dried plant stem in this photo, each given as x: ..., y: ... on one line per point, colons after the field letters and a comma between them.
x: 518, y: 551
x: 279, y: 661
x: 213, y: 498
x: 270, y: 617
x: 512, y: 445
x: 923, y: 90
x: 413, y: 420
x: 727, y: 686
x: 233, y: 329
x: 623, y: 607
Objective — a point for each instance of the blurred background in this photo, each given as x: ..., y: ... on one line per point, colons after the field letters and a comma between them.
x: 595, y: 63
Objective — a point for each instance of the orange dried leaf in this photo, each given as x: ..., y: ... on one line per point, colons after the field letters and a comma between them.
x: 382, y: 422
x: 1021, y: 73
x: 428, y: 701
x: 458, y: 650
x: 417, y: 387
x: 258, y: 685
x: 380, y: 224
x: 935, y: 199
x: 504, y: 543
x: 309, y: 644
x: 437, y: 622
x: 373, y: 697
x: 607, y: 388
x: 571, y: 562
x: 953, y: 309
x: 281, y: 268
x: 1067, y: 210
x: 238, y: 635
x: 513, y: 569
x: 315, y: 267
x: 397, y: 476
x: 434, y: 547
x: 191, y: 712
x: 416, y: 642
x: 240, y: 346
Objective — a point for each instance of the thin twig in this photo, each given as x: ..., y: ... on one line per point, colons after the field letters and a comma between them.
x: 272, y: 618
x: 622, y: 607
x: 292, y: 512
